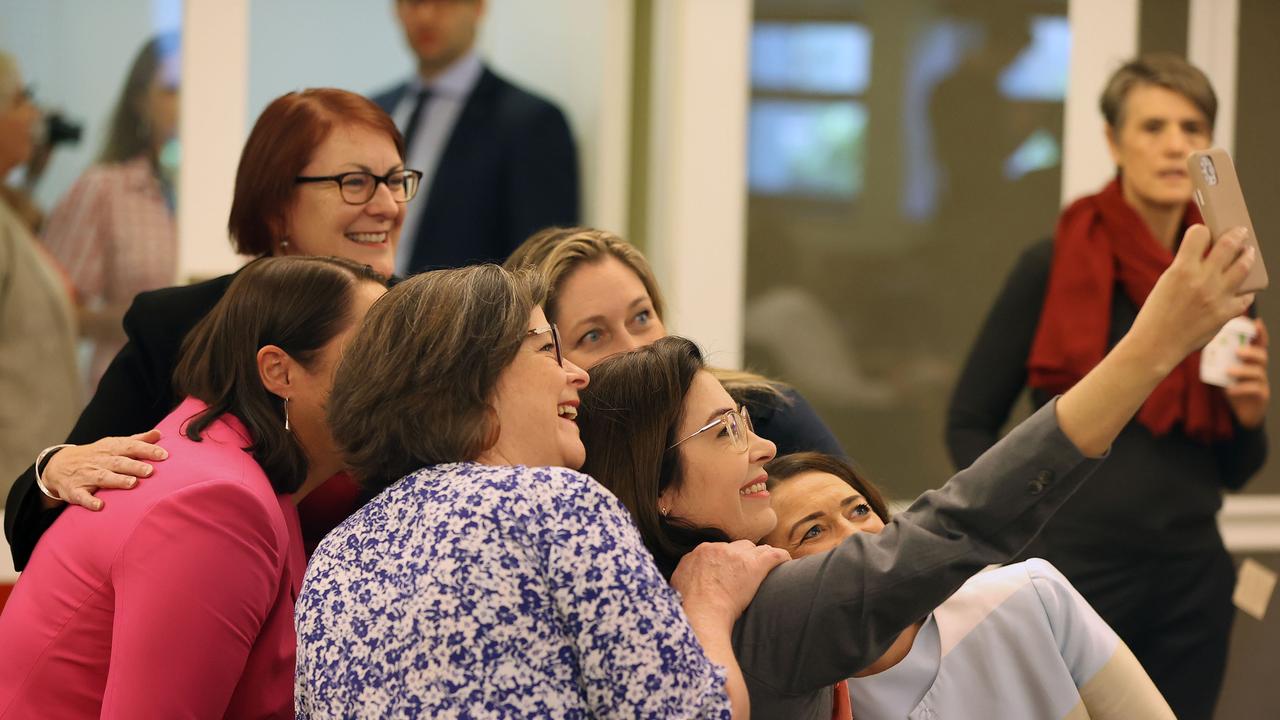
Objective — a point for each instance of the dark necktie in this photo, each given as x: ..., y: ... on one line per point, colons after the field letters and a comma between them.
x: 411, y: 127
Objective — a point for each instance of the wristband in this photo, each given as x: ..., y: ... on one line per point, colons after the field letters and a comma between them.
x: 47, y: 453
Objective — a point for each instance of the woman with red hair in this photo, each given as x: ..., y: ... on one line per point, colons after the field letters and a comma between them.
x: 321, y: 174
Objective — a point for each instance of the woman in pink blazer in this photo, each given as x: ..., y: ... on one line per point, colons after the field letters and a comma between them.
x: 176, y: 600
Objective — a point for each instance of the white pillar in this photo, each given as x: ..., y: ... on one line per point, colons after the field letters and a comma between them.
x: 215, y: 83
x: 1104, y: 33
x: 697, y: 169
x: 1212, y: 37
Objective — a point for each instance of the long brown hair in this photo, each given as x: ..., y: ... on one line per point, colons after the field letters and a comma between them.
x: 415, y: 385
x: 630, y: 414
x: 558, y: 251
x: 786, y: 467
x: 298, y: 304
x: 130, y: 134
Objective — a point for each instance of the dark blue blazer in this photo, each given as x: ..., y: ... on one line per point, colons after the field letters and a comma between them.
x: 508, y: 169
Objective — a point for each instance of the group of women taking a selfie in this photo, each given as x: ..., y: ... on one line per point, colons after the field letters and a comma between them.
x: 558, y: 510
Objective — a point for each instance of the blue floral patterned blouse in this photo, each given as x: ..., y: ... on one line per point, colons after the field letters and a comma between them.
x: 477, y: 591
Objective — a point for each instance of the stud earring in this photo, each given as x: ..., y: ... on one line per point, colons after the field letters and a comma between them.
x: 284, y: 246
x: 286, y: 414
x: 663, y: 510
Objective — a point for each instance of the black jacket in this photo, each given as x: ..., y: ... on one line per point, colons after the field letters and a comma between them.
x: 507, y: 170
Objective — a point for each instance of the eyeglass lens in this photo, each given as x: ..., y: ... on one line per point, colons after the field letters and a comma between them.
x: 359, y: 187
x: 738, y: 424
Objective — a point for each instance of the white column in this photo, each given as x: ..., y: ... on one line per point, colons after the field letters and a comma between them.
x: 1212, y: 37
x: 697, y: 172
x: 1104, y: 33
x: 215, y: 84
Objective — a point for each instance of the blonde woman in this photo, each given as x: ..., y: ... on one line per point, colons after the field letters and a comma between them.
x: 605, y: 299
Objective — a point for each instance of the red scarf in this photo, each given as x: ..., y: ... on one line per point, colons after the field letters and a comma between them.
x: 1100, y: 241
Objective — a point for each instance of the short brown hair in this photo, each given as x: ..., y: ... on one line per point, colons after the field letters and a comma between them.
x: 415, y: 385
x: 1165, y: 70
x: 296, y: 303
x: 281, y: 144
x: 786, y: 467
x: 630, y: 414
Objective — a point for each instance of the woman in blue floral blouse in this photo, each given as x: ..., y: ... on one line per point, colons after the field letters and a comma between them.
x: 487, y: 579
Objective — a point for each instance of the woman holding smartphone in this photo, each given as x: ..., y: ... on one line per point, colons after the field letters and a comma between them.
x: 1140, y: 542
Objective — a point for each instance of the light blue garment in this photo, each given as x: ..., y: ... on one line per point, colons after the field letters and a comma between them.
x: 1016, y: 642
x: 449, y: 92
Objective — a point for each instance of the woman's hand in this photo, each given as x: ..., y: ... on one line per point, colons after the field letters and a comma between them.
x: 1195, y: 297
x: 1250, y: 391
x: 75, y: 473
x: 1190, y: 302
x: 722, y: 578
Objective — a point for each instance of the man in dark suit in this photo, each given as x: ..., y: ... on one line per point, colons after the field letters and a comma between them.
x: 499, y: 162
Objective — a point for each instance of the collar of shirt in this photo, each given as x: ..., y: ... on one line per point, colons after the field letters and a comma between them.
x: 456, y: 81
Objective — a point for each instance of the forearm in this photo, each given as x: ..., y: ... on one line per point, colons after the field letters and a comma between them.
x: 846, y: 607
x: 1122, y: 690
x: 714, y: 633
x: 1094, y: 411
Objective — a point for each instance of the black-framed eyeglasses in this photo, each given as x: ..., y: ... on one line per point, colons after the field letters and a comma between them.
x: 358, y: 187
x: 555, y: 339
x: 736, y: 422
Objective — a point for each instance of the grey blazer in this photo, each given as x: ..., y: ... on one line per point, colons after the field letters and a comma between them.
x: 820, y: 619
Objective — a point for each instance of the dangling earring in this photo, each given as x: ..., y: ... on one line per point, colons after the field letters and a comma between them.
x: 286, y: 414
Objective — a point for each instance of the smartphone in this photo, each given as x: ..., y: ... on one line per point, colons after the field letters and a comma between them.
x: 1217, y: 192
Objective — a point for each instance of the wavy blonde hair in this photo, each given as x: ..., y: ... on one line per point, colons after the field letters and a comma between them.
x: 556, y: 252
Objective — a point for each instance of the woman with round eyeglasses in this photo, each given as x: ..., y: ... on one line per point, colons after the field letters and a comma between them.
x: 820, y: 619
x: 606, y: 300
x: 321, y: 174
x: 1018, y: 642
x: 489, y: 578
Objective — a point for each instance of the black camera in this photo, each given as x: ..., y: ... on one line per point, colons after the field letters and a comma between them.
x: 59, y: 130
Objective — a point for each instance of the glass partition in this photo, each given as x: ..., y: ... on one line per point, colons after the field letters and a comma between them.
x: 901, y: 156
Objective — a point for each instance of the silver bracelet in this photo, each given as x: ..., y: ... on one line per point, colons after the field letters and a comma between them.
x: 40, y: 461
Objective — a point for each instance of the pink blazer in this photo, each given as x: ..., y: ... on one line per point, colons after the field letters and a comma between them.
x: 175, y: 601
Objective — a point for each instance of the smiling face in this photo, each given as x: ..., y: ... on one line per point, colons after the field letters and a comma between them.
x: 320, y: 222
x: 536, y: 403
x: 603, y: 308
x: 1158, y: 129
x: 816, y: 511
x: 719, y: 486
